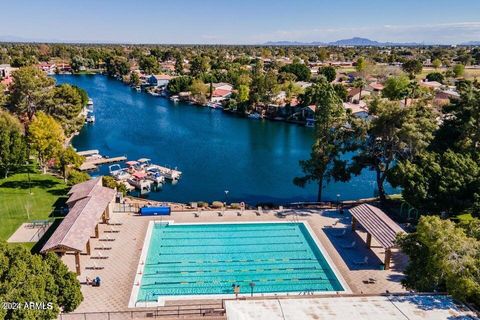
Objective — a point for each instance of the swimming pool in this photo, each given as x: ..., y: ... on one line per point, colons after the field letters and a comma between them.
x: 208, y: 259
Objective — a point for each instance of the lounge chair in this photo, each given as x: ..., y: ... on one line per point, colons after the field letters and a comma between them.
x: 220, y: 213
x: 239, y: 213
x: 349, y: 246
x: 197, y: 214
x: 361, y: 262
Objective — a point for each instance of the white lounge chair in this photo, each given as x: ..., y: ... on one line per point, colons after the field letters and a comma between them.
x: 349, y: 246
x: 361, y: 262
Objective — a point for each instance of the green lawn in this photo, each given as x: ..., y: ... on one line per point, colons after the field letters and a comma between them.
x: 17, y: 205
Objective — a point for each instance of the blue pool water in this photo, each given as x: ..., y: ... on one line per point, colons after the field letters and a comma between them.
x: 206, y: 259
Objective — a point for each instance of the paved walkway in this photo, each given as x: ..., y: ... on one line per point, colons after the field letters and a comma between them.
x: 28, y: 232
x: 118, y: 270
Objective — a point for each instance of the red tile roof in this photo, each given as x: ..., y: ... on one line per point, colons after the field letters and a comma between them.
x: 221, y: 92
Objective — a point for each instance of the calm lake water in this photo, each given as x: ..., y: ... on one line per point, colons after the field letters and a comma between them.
x: 255, y: 160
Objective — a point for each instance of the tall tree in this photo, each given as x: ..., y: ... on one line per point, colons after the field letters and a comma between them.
x: 46, y: 138
x: 412, y: 67
x: 68, y: 159
x: 30, y: 91
x: 334, y: 135
x: 394, y: 133
x: 12, y: 143
x: 65, y: 107
x: 26, y: 277
x: 396, y: 88
x: 149, y: 64
x: 329, y: 72
x: 442, y: 258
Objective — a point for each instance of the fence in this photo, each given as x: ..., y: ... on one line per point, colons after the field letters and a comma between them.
x: 127, y: 207
x: 204, y: 310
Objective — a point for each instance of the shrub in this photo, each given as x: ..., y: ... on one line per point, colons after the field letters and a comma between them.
x: 217, y: 204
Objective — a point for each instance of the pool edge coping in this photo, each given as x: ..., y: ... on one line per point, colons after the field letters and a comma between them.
x: 161, y: 300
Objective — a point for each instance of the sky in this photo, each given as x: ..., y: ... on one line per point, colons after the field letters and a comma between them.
x: 240, y: 21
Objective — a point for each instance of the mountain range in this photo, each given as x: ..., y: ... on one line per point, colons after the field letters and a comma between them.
x: 357, y: 42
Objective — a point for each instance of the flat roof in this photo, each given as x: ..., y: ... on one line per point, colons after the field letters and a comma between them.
x: 410, y: 307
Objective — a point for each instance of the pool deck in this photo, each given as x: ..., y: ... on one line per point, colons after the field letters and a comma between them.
x: 120, y: 268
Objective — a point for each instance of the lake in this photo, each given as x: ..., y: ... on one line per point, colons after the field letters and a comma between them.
x: 255, y: 160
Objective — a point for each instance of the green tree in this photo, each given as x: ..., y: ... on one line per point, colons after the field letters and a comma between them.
x: 46, y: 138
x: 30, y: 91
x: 458, y: 70
x: 412, y: 67
x: 442, y: 258
x: 199, y: 90
x: 12, y: 143
x: 134, y: 79
x: 149, y: 64
x: 436, y: 63
x: 435, y: 76
x: 179, y: 84
x: 361, y: 64
x: 341, y: 91
x: 396, y: 88
x: 117, y: 66
x: 301, y: 71
x: 68, y: 160
x: 199, y: 65
x: 394, y: 133
x: 65, y: 107
x: 111, y: 183
x: 243, y: 93
x: 334, y: 135
x: 26, y: 277
x: 439, y: 182
x: 329, y: 72
x: 179, y: 64
x: 76, y: 177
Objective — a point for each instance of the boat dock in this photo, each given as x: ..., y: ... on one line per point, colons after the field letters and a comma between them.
x: 93, y: 159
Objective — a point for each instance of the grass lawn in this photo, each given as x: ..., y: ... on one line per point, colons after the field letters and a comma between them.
x: 17, y: 205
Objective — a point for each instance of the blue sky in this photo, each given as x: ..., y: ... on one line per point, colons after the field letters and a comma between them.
x: 240, y: 21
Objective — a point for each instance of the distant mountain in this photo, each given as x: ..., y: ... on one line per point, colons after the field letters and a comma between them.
x: 355, y: 41
x: 471, y: 43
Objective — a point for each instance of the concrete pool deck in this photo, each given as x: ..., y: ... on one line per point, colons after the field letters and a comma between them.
x: 120, y: 268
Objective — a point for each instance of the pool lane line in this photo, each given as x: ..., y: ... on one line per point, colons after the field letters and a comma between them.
x: 229, y: 260
x: 229, y: 237
x: 229, y: 245
x: 235, y: 281
x: 234, y: 270
x: 217, y: 253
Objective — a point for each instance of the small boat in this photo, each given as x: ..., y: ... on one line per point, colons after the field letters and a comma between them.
x: 139, y: 181
x: 310, y: 123
x: 155, y: 176
x: 90, y: 118
x: 174, y: 99
x: 90, y: 102
x: 118, y: 173
x: 254, y: 116
x: 138, y: 88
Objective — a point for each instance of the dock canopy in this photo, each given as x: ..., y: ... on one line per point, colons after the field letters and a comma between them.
x: 89, y: 203
x: 378, y: 225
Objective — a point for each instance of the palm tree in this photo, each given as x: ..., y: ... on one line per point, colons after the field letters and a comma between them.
x: 359, y: 83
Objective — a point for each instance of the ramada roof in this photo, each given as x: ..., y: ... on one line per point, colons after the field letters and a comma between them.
x: 377, y: 223
x: 221, y: 92
x: 76, y: 228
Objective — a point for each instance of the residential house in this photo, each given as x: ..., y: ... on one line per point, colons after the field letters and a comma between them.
x: 159, y: 80
x: 374, y: 88
x: 354, y: 94
x: 47, y: 67
x: 434, y: 85
x: 219, y: 95
x: 359, y: 110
